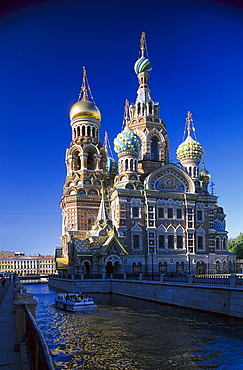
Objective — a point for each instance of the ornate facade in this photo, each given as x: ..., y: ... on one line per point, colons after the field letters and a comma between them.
x: 144, y: 214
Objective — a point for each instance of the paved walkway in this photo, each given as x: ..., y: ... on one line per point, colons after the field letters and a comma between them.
x: 9, y: 360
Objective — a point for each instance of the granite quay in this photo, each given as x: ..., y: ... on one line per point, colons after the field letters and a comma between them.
x: 216, y: 294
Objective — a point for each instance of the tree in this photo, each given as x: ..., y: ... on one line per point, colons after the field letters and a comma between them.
x: 235, y: 245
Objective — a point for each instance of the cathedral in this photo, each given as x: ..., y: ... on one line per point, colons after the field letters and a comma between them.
x: 140, y: 214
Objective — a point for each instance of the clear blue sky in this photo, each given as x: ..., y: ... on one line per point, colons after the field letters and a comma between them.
x: 196, y: 52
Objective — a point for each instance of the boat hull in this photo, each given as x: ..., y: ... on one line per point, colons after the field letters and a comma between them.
x: 74, y: 305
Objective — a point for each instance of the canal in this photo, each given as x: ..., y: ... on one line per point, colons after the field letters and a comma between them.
x: 124, y: 333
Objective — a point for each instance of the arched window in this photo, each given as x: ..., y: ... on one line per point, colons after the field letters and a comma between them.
x: 136, y: 166
x: 93, y: 131
x: 224, y: 244
x: 90, y: 161
x: 88, y: 131
x: 217, y: 244
x: 131, y: 165
x: 83, y: 130
x: 171, y: 241
x: 224, y: 267
x: 179, y: 267
x: 136, y: 268
x: 217, y: 267
x: 126, y: 164
x: 78, y: 131
x: 139, y: 109
x: 154, y: 150
x: 150, y: 108
x: 162, y: 267
x: 77, y: 162
x: 200, y: 268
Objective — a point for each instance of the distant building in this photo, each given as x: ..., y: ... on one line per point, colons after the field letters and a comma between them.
x: 27, y: 265
x: 144, y: 214
x: 6, y: 253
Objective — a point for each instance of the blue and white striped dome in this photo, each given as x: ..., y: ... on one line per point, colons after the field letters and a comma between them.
x: 127, y: 140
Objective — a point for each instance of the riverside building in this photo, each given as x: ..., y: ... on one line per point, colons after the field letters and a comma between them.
x: 143, y: 214
x: 27, y: 265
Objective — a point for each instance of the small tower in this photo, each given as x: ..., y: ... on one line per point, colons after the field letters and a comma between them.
x: 127, y: 145
x: 189, y: 152
x: 204, y: 177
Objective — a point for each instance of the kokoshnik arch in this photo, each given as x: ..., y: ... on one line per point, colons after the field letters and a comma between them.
x: 144, y: 214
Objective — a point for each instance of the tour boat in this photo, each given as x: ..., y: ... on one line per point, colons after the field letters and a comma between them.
x: 74, y: 301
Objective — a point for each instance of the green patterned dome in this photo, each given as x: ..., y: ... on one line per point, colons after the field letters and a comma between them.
x: 127, y: 140
x: 189, y: 149
x: 142, y: 65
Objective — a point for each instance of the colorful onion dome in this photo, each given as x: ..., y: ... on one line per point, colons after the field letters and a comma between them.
x: 85, y: 108
x: 111, y: 166
x: 142, y: 65
x: 189, y: 149
x: 204, y: 175
x: 127, y: 140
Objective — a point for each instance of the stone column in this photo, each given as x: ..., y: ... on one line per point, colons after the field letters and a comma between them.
x: 22, y: 299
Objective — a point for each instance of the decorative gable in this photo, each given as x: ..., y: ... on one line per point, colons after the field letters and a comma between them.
x: 170, y: 178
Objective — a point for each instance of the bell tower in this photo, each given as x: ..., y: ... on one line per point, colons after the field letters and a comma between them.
x: 86, y: 163
x: 145, y: 121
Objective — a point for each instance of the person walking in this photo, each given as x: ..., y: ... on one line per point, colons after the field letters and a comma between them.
x: 3, y: 282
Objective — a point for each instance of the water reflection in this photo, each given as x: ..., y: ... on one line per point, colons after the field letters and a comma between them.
x: 125, y: 333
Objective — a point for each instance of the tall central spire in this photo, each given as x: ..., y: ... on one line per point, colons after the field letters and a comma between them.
x: 144, y: 105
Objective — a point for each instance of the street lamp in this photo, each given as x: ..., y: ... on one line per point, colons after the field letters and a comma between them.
x: 207, y: 264
x: 189, y: 262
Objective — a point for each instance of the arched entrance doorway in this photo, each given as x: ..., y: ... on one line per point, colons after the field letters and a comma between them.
x: 86, y: 268
x: 200, y: 268
x: 109, y: 268
x: 113, y: 265
x: 179, y: 268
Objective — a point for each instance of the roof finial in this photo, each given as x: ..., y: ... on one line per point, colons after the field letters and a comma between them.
x: 188, y: 121
x: 142, y: 43
x: 83, y: 95
x: 126, y: 110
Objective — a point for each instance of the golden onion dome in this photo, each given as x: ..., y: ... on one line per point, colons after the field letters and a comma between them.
x: 85, y: 108
x: 204, y: 175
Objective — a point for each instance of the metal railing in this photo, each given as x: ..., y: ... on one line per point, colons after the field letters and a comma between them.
x: 217, y: 279
x: 38, y: 350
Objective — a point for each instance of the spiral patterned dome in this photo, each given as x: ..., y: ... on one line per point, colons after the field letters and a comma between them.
x: 142, y: 65
x: 127, y: 140
x: 189, y: 149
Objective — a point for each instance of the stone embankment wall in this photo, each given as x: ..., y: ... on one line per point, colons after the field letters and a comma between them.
x: 217, y: 299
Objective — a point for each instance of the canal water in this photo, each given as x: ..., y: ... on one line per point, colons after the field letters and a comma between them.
x: 129, y: 334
